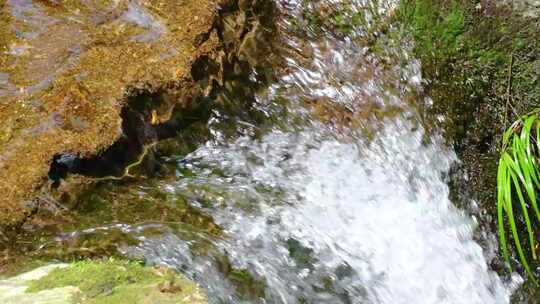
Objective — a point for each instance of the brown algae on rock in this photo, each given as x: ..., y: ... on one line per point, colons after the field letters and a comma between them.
x: 66, y: 69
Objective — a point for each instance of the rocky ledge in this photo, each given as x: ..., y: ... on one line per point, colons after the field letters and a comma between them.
x: 70, y: 70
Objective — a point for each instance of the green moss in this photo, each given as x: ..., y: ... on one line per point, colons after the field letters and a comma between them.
x: 246, y: 284
x: 303, y: 256
x: 345, y: 21
x: 466, y: 52
x: 249, y: 287
x: 89, y: 275
x: 112, y: 281
x: 435, y: 33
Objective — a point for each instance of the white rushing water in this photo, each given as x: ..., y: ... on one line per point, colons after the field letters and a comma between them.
x: 322, y: 215
x: 374, y: 221
x: 382, y: 212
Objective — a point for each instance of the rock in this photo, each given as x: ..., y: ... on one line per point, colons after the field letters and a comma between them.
x: 13, y: 290
x: 529, y: 8
x: 108, y: 281
x: 67, y: 68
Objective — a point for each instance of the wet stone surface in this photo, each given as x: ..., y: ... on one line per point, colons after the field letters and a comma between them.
x: 67, y: 67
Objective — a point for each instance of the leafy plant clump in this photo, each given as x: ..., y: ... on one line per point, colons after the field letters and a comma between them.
x: 518, y: 177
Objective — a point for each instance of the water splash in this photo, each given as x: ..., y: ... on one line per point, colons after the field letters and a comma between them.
x: 373, y: 219
x: 342, y: 200
x: 326, y: 215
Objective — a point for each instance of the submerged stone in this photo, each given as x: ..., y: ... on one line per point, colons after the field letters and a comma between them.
x: 67, y: 68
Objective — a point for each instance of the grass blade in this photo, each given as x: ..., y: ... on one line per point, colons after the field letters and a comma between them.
x: 501, y: 180
x: 518, y: 176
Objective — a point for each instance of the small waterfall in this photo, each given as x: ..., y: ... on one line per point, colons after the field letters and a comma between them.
x: 326, y: 188
x: 318, y: 210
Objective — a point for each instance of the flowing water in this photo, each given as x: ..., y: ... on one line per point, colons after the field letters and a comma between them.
x: 333, y: 212
x: 342, y: 199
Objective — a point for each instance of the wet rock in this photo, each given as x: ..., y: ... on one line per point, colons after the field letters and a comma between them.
x: 13, y: 290
x: 67, y: 68
x: 107, y: 281
x: 530, y: 8
x: 97, y: 82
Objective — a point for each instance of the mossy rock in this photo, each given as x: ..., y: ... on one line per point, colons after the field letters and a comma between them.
x: 100, y: 282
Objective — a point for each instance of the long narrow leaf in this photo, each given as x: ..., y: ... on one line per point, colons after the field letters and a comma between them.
x: 526, y: 170
x: 518, y: 180
x: 517, y: 241
x: 501, y: 178
x: 515, y: 171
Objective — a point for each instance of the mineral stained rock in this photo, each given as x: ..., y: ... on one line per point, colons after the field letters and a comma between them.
x: 67, y: 68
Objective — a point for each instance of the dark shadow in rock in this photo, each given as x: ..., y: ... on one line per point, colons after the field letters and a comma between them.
x: 141, y: 126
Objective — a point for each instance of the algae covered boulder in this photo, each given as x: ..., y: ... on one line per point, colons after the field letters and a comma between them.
x: 67, y: 68
x: 100, y: 282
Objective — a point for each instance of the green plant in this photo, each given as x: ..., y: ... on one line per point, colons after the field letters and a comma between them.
x: 519, y: 176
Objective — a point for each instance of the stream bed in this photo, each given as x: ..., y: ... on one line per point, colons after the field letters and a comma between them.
x: 334, y: 194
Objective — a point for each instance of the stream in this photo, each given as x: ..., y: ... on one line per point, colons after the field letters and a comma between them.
x: 341, y: 196
x: 321, y: 214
